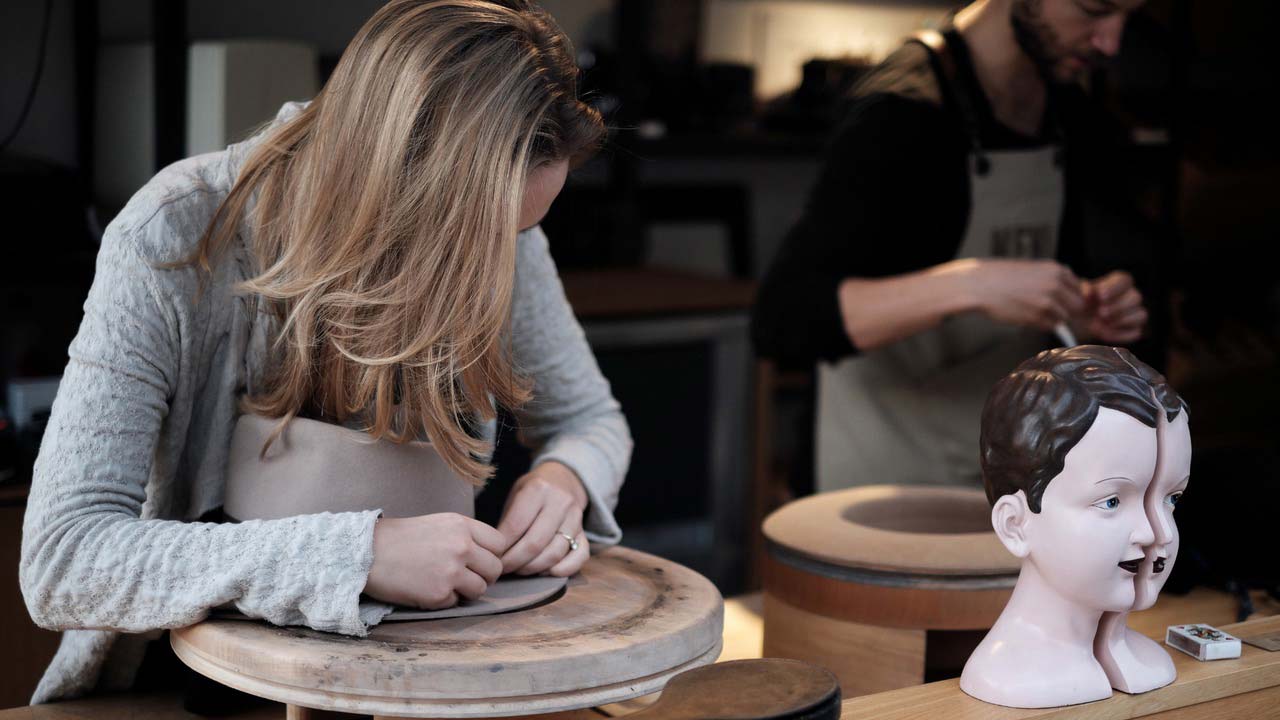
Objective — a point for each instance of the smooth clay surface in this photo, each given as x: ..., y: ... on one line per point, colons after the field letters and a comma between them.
x: 507, y: 595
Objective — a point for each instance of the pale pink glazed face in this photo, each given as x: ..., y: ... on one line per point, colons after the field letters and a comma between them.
x: 1089, y: 538
x: 1173, y: 471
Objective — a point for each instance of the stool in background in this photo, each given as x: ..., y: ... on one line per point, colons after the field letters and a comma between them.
x: 883, y: 585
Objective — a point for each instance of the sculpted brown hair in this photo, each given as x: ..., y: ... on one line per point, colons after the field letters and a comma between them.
x: 384, y: 220
x: 1037, y: 413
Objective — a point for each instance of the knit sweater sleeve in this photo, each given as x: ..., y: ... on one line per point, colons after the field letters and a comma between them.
x: 573, y: 417
x: 90, y: 559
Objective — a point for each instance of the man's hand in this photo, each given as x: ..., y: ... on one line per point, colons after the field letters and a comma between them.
x: 1114, y: 313
x: 1027, y: 293
x: 545, y: 506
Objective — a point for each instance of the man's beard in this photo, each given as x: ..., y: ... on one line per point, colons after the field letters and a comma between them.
x: 1039, y: 42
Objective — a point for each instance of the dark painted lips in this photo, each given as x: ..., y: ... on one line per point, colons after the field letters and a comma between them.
x: 1130, y: 565
x: 1157, y: 565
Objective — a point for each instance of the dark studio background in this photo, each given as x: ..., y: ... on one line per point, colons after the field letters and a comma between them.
x: 720, y: 110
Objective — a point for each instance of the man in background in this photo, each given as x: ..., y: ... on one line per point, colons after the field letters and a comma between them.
x: 945, y: 240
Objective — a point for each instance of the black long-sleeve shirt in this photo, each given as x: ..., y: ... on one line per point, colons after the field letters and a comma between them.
x: 893, y: 197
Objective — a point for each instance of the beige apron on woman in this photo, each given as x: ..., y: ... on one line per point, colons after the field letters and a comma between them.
x: 316, y: 467
x: 909, y: 413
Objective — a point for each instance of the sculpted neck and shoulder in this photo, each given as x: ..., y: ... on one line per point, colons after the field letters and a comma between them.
x: 1081, y: 553
x: 1025, y: 662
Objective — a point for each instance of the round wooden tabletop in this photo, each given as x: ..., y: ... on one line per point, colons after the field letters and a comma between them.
x: 624, y: 626
x: 905, y: 530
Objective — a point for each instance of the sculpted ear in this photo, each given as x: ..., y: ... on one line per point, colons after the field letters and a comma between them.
x: 1009, y: 517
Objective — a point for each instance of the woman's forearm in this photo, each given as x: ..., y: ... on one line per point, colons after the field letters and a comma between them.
x: 90, y: 560
x: 574, y: 418
x: 106, y: 570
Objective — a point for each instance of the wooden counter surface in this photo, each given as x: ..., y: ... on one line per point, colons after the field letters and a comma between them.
x: 640, y: 292
x: 1247, y: 687
x: 743, y: 632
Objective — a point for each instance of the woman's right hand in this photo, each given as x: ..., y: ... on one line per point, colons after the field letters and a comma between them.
x: 431, y: 561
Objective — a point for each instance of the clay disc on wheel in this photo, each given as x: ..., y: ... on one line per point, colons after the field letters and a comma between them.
x: 507, y: 595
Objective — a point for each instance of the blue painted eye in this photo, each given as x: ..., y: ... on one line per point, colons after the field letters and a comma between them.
x: 1174, y: 498
x: 1110, y: 503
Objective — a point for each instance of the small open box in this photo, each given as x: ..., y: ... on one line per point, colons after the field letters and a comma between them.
x: 1202, y: 642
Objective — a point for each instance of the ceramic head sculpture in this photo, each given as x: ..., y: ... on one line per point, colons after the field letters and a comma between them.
x: 1133, y: 662
x: 1068, y: 452
x: 1173, y: 472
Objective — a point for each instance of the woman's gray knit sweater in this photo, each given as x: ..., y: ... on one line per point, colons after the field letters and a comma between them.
x: 138, y: 440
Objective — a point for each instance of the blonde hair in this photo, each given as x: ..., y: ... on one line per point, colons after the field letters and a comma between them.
x: 386, y: 218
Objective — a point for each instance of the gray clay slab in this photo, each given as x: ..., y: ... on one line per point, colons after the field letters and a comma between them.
x: 506, y: 595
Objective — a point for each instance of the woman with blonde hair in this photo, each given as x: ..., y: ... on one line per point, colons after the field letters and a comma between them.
x: 371, y: 259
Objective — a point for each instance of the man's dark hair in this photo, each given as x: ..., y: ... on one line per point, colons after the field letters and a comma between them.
x: 1037, y: 413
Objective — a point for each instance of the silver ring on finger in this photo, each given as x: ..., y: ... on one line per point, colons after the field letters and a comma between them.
x: 573, y: 544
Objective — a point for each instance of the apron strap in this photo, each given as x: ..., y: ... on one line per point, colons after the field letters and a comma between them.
x: 945, y: 67
x: 936, y: 43
x: 947, y: 71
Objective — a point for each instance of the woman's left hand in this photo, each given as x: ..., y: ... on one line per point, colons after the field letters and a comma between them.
x: 544, y: 507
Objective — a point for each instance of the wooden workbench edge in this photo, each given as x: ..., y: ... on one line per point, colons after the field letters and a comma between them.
x: 1197, y: 683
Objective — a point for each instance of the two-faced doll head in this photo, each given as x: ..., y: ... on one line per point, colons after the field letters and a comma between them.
x: 1084, y: 452
x: 1173, y: 471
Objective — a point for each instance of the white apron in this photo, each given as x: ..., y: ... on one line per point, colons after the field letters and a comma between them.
x: 909, y: 413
